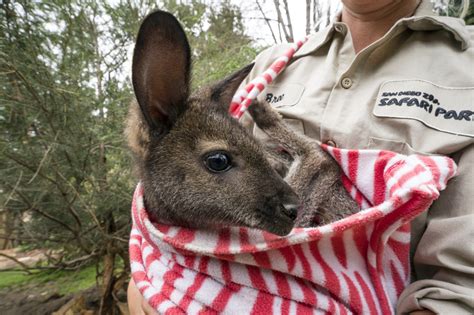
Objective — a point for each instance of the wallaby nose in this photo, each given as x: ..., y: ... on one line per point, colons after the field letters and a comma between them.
x: 291, y: 210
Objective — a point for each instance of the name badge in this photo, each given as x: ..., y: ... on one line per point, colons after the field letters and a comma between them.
x: 282, y: 95
x: 447, y: 109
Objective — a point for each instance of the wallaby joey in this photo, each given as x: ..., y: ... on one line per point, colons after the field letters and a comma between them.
x: 310, y: 171
x: 198, y: 166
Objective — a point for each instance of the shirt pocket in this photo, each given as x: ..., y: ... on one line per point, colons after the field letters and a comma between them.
x: 282, y: 95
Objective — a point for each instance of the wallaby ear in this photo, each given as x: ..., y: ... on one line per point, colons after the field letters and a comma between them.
x: 160, y: 70
x: 223, y: 91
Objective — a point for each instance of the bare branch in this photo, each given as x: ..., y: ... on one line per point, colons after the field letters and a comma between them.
x: 43, y: 159
x: 316, y: 15
x: 288, y: 18
x: 308, y: 17
x: 281, y: 22
x: 82, y: 259
x: 328, y: 14
x: 86, y: 206
x: 22, y: 265
x: 279, y: 32
x: 315, y: 5
x: 258, y: 18
x: 40, y: 212
x: 13, y: 190
x: 267, y: 21
x: 29, y: 239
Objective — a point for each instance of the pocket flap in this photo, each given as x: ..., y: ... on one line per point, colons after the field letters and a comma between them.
x: 282, y: 95
x: 447, y: 109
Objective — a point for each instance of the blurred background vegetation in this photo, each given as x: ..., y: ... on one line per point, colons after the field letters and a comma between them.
x: 65, y: 180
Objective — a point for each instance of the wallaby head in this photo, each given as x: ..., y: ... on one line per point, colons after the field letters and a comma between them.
x: 198, y: 166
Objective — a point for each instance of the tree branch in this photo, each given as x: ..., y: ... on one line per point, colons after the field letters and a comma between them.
x: 13, y: 190
x: 267, y: 21
x: 43, y: 160
x: 281, y: 22
x: 290, y: 26
x: 308, y: 17
x: 22, y: 265
x: 44, y: 214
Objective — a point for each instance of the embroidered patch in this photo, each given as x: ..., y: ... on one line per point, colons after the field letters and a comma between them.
x: 282, y: 95
x: 447, y: 109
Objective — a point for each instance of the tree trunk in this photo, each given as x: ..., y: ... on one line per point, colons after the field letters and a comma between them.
x: 107, y: 303
x: 282, y: 24
x: 308, y: 17
x: 288, y: 18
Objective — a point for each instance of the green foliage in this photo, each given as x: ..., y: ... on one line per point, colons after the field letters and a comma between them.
x: 65, y: 180
x: 13, y: 278
x: 65, y: 282
x: 217, y: 38
x: 63, y: 100
x: 469, y: 13
x: 456, y: 8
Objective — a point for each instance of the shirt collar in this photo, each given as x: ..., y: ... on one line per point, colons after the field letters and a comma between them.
x: 315, y: 41
x: 455, y: 26
x: 424, y: 19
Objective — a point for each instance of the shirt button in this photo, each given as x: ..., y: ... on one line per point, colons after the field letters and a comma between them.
x: 346, y: 83
x: 331, y: 143
x: 339, y: 28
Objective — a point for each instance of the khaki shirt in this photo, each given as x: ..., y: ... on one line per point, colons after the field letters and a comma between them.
x: 412, y: 91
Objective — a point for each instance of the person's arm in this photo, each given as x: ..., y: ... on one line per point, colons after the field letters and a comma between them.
x: 444, y: 258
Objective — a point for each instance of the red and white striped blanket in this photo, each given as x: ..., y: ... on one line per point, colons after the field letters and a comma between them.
x: 356, y: 265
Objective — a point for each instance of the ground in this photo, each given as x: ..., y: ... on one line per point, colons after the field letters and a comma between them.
x: 46, y: 291
x: 31, y: 299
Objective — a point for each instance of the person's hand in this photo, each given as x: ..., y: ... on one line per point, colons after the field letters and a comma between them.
x: 137, y: 305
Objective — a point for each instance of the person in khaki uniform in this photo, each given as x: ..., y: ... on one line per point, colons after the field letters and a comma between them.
x: 391, y: 75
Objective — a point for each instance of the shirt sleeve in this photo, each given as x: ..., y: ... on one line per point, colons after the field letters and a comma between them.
x: 444, y: 257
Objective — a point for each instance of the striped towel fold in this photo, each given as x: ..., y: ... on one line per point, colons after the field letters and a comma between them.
x: 358, y: 265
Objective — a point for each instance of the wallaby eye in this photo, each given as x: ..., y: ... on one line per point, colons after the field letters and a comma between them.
x: 217, y: 162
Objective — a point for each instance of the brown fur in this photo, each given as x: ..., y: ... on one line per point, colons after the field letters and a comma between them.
x: 312, y: 173
x: 171, y: 134
x: 179, y: 190
x: 137, y: 132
